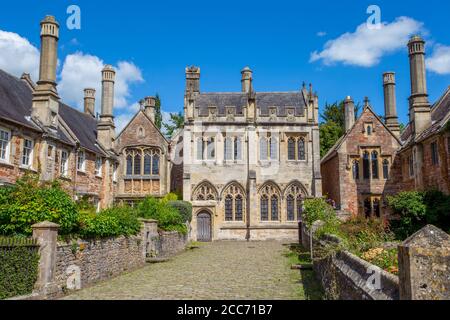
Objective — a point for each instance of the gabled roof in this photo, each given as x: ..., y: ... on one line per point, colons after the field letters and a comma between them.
x: 338, y: 144
x: 264, y: 101
x: 148, y: 118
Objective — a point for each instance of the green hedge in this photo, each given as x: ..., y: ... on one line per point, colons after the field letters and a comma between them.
x: 30, y: 202
x: 18, y: 269
x: 184, y: 208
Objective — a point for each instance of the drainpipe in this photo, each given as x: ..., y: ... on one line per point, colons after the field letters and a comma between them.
x: 77, y: 148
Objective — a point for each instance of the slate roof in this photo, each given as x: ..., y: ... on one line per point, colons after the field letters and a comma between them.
x: 16, y: 100
x: 440, y: 115
x: 264, y: 100
x: 15, y: 105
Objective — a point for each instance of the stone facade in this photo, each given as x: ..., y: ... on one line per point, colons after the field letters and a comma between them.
x: 250, y: 159
x: 356, y: 185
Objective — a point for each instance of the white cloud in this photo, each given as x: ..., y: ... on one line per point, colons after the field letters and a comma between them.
x: 439, y: 61
x: 18, y: 55
x: 321, y: 34
x: 81, y: 71
x: 366, y: 46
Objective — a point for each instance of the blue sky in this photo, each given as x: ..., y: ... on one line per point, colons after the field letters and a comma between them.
x: 155, y: 40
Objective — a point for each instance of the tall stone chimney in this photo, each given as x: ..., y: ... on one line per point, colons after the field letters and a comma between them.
x: 192, y: 79
x: 419, y: 106
x: 247, y: 80
x: 89, y: 101
x: 390, y: 103
x: 45, y: 98
x: 349, y: 113
x: 105, y: 126
x: 149, y: 108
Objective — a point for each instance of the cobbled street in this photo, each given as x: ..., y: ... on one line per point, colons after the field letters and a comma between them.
x: 214, y: 271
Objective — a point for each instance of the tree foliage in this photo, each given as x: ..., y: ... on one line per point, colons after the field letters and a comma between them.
x: 158, y: 113
x: 176, y: 122
x: 332, y: 127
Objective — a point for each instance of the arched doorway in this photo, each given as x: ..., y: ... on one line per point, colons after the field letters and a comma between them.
x: 204, y: 227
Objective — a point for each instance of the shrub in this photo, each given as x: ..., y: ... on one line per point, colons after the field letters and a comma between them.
x: 114, y: 222
x: 18, y: 270
x: 318, y: 209
x: 184, y: 208
x: 417, y: 209
x: 169, y: 218
x: 30, y: 202
x: 169, y: 197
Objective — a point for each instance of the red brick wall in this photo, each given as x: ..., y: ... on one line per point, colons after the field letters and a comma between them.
x: 330, y: 179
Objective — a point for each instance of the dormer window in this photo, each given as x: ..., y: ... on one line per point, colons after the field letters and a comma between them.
x: 368, y: 129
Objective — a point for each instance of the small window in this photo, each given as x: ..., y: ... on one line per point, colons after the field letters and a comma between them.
x: 366, y: 165
x: 200, y: 150
x: 228, y: 149
x: 301, y: 150
x: 434, y: 154
x: 27, y: 153
x: 50, y: 152
x: 273, y: 148
x: 291, y: 149
x: 369, y: 130
x: 5, y: 139
x: 237, y: 148
x: 386, y: 169
x: 81, y: 161
x: 64, y: 164
x: 211, y: 149
x: 356, y: 170
x: 263, y: 154
x: 98, y: 166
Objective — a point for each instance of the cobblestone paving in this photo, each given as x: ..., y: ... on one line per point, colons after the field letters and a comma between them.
x: 215, y: 271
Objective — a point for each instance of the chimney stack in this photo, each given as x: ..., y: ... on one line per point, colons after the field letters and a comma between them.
x: 247, y: 80
x: 192, y: 80
x: 390, y: 103
x: 419, y: 106
x: 349, y: 110
x: 45, y: 97
x: 149, y: 108
x: 105, y: 126
x: 89, y: 101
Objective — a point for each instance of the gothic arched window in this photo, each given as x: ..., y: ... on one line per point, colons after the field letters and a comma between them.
x: 264, y: 208
x: 291, y: 149
x: 366, y: 165
x: 147, y: 164
x: 205, y: 191
x: 355, y: 170
x: 239, y: 214
x: 229, y: 208
x: 386, y: 169
x: 290, y: 204
x: 375, y: 174
x: 301, y: 149
x: 274, y: 207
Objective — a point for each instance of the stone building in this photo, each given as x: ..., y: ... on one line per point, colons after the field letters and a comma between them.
x: 250, y: 159
x: 425, y: 154
x: 40, y: 133
x: 358, y: 171
x: 144, y: 157
x: 374, y: 160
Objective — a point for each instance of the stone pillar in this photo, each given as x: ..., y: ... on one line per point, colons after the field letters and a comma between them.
x: 106, y: 126
x: 424, y: 265
x: 46, y: 234
x: 149, y: 108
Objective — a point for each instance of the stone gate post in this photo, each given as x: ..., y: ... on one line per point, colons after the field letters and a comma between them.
x: 46, y: 234
x: 424, y: 265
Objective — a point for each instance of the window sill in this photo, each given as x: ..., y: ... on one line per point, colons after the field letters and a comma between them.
x: 83, y: 172
x: 27, y: 168
x: 65, y: 178
x: 6, y: 164
x: 98, y: 177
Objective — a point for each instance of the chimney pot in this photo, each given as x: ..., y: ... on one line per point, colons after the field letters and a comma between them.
x: 349, y: 112
x: 89, y: 101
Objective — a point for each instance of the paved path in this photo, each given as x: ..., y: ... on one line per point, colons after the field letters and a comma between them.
x: 215, y: 271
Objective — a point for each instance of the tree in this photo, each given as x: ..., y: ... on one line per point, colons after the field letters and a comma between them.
x: 176, y: 122
x: 158, y: 114
x: 333, y: 125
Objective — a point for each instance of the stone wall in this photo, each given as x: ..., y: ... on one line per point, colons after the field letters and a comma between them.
x: 171, y: 243
x: 344, y: 276
x: 96, y: 260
